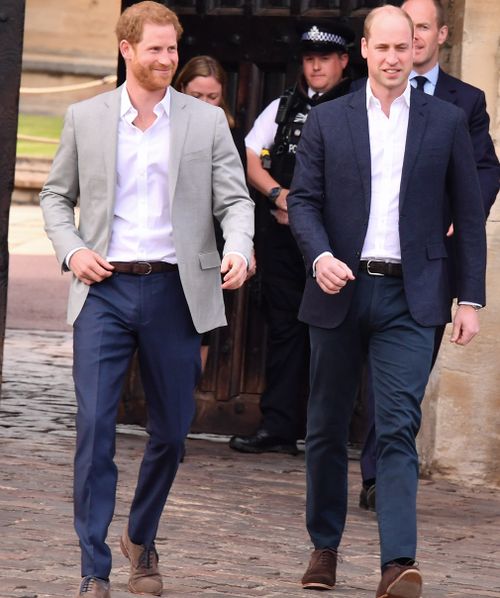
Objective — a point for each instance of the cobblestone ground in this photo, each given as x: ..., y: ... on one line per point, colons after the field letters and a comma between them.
x: 234, y: 524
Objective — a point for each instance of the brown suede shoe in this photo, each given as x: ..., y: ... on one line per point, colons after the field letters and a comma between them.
x: 322, y: 570
x: 145, y: 577
x: 400, y: 581
x: 93, y: 587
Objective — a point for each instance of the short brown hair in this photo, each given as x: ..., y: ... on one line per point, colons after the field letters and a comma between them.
x: 205, y: 66
x: 440, y: 12
x: 385, y: 8
x: 131, y: 23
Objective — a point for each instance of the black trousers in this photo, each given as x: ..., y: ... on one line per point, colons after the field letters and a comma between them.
x: 287, y: 363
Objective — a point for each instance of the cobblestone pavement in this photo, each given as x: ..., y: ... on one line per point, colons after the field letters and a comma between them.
x: 234, y: 524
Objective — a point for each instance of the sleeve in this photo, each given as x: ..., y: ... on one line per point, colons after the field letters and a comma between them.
x: 468, y: 218
x: 232, y: 205
x: 264, y: 129
x: 307, y: 193
x: 486, y: 159
x: 59, y: 195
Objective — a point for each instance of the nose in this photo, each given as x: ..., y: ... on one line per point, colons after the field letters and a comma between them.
x: 392, y: 57
x: 316, y: 64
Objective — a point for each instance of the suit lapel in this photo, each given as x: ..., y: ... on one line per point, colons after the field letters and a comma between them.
x: 445, y: 89
x: 416, y: 126
x: 358, y: 122
x: 179, y: 118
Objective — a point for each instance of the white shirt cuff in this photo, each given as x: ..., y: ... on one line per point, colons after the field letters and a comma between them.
x: 240, y: 254
x: 476, y: 305
x: 71, y: 254
x: 316, y: 260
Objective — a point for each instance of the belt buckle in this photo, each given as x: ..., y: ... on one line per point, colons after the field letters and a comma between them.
x: 368, y: 271
x: 149, y: 266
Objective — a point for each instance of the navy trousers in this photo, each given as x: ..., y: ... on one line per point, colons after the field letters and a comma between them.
x: 368, y: 459
x: 399, y: 351
x: 123, y: 314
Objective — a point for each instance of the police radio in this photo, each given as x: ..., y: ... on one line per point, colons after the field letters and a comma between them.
x: 284, y: 106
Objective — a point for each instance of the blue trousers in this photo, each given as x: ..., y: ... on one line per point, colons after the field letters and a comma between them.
x: 399, y: 351
x: 123, y: 314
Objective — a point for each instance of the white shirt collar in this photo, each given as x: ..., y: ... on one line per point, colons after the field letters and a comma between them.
x: 372, y: 100
x: 311, y: 92
x: 128, y: 111
x: 431, y: 76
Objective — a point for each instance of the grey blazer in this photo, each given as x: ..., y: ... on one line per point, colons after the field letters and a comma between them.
x: 206, y: 179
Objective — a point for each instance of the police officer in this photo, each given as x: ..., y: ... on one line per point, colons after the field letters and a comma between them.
x: 271, y: 147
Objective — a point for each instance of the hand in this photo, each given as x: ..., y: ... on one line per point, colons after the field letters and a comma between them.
x: 281, y: 200
x: 465, y: 325
x: 281, y: 216
x: 234, y: 271
x: 332, y: 275
x: 252, y: 268
x: 89, y: 267
x: 450, y: 231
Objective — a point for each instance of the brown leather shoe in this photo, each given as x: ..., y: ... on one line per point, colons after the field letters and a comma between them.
x: 322, y: 570
x: 145, y: 577
x: 400, y: 581
x: 93, y: 587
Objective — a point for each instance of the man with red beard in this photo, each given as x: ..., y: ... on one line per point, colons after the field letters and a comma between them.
x: 151, y: 168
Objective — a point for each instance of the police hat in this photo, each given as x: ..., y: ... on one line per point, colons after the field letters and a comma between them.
x: 325, y: 36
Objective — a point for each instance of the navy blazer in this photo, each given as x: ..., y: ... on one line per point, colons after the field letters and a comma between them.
x: 329, y: 205
x: 473, y: 102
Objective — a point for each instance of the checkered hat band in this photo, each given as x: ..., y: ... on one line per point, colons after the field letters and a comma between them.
x: 315, y: 35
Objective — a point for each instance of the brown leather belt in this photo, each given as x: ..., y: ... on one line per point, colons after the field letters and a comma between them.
x: 143, y: 268
x: 376, y: 268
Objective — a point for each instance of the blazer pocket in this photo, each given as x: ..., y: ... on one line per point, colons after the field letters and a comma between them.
x: 209, y: 260
x: 436, y: 251
x: 203, y: 154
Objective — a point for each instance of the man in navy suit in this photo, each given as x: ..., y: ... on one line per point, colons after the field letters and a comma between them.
x: 430, y: 34
x: 379, y: 173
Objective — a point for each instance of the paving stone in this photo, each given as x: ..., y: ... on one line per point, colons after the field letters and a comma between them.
x: 234, y: 524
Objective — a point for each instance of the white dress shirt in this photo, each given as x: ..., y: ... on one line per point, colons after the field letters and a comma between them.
x: 142, y: 223
x: 387, y: 150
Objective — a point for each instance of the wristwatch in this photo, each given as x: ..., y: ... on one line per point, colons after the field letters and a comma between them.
x: 273, y: 194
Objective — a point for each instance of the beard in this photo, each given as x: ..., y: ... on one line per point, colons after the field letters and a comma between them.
x: 153, y: 77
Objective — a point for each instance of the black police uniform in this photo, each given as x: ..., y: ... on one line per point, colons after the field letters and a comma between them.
x: 281, y: 265
x: 283, y: 279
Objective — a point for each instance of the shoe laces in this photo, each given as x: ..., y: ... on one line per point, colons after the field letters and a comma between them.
x: 327, y: 556
x: 88, y: 584
x: 147, y: 557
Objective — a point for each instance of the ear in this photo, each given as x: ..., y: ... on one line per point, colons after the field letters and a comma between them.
x: 344, y: 60
x: 126, y: 49
x: 442, y: 35
x: 364, y: 45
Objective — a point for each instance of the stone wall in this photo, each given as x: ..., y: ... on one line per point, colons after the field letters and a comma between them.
x: 460, y: 437
x: 71, y: 28
x: 67, y: 42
